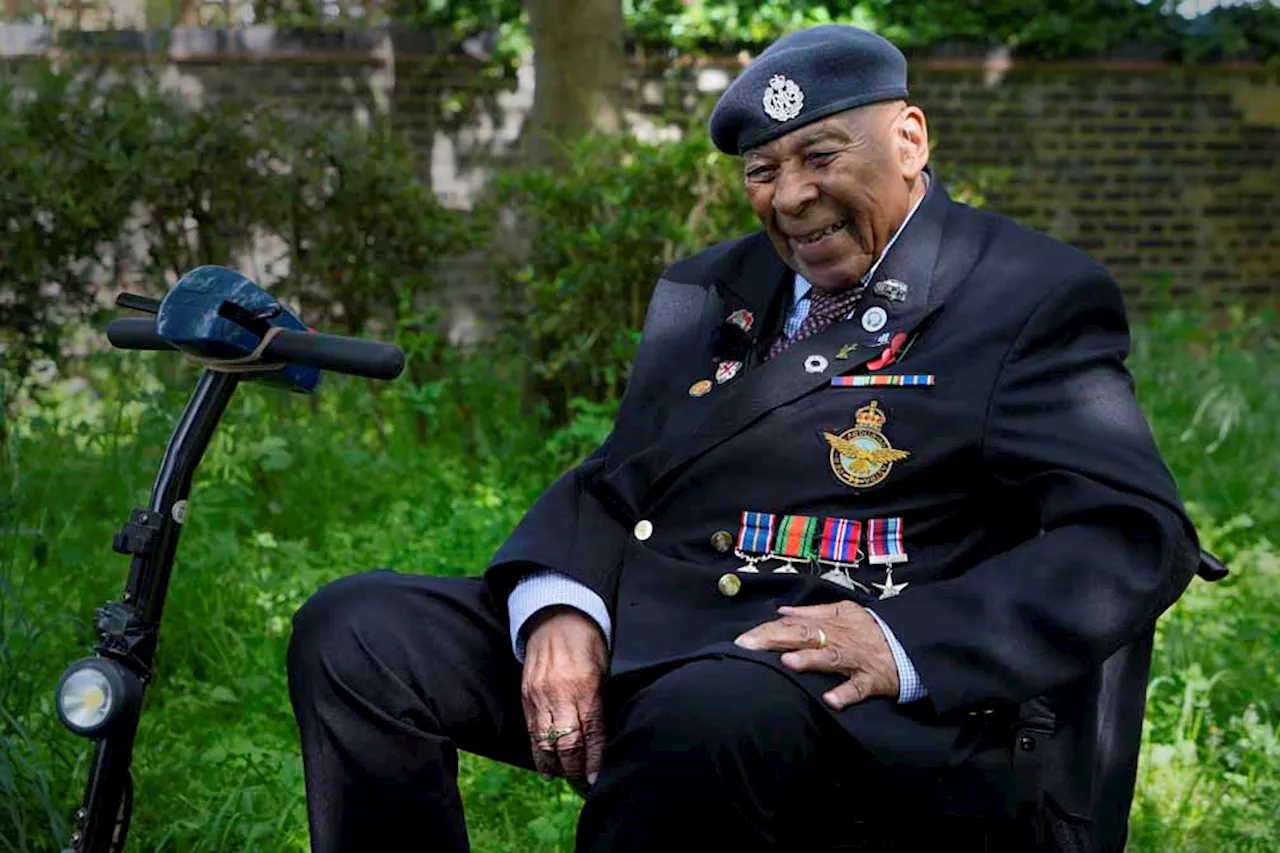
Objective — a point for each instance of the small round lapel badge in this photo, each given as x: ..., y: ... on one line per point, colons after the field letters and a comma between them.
x: 700, y: 388
x: 815, y: 364
x: 874, y: 318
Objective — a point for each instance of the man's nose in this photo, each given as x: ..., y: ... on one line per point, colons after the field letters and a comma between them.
x: 794, y: 191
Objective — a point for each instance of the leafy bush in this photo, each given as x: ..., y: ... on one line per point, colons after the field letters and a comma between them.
x: 68, y: 179
x: 1046, y: 29
x: 601, y: 233
x: 106, y: 185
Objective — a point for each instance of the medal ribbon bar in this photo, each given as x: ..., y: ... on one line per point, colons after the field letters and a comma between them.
x: 756, y: 534
x: 877, y: 380
x: 884, y: 541
x: 839, y: 544
x: 795, y: 537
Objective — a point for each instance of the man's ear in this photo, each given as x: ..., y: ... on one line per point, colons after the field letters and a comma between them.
x: 911, y: 137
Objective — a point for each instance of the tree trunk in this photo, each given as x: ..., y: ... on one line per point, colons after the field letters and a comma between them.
x: 578, y: 71
x: 578, y: 66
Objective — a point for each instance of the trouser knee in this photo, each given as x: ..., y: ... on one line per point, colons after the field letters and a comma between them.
x: 723, y: 717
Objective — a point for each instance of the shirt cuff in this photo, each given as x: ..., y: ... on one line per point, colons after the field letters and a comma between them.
x: 910, y: 687
x: 543, y: 589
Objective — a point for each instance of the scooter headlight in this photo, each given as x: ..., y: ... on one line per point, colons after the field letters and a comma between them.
x: 86, y: 698
x: 94, y: 694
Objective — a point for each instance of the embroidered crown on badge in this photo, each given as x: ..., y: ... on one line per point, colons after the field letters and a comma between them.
x: 870, y: 416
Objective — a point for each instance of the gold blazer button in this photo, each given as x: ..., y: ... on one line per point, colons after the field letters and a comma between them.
x: 729, y: 584
x: 722, y: 541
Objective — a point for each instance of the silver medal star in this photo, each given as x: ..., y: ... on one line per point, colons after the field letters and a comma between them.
x: 889, y: 589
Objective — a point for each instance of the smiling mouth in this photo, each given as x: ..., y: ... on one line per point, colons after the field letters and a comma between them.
x: 815, y: 236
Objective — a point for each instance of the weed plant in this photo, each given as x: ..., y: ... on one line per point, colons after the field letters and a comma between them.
x: 430, y: 477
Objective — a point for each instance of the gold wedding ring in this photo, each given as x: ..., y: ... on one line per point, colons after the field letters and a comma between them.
x: 822, y: 639
x: 552, y: 735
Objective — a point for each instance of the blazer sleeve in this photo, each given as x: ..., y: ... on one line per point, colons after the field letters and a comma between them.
x: 1065, y: 436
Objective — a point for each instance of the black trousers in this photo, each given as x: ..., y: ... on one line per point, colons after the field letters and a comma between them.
x: 390, y: 674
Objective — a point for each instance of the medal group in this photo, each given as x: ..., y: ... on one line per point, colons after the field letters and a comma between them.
x: 860, y: 457
x: 821, y: 542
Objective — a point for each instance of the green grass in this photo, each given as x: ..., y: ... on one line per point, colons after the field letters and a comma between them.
x: 297, y: 491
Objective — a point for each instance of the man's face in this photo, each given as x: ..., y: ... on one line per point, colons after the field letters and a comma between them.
x: 832, y: 194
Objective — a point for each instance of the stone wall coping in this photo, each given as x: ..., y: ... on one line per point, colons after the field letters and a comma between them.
x: 243, y: 44
x: 288, y: 44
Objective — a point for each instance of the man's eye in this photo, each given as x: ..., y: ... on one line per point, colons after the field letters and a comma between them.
x: 760, y: 173
x: 821, y: 158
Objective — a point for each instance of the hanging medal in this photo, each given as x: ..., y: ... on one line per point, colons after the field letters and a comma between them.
x: 884, y: 548
x: 838, y: 548
x: 755, y: 538
x: 794, y: 542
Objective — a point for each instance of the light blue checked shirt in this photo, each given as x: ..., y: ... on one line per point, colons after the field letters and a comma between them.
x: 548, y: 589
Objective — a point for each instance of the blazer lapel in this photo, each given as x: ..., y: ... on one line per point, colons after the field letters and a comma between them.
x: 811, y: 363
x: 758, y: 284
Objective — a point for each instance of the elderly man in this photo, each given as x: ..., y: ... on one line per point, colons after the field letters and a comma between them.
x: 871, y: 558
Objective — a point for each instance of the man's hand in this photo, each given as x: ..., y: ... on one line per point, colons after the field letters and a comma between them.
x: 565, y: 660
x: 842, y: 638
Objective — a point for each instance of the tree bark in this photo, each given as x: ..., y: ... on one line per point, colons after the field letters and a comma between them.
x: 578, y: 67
x: 578, y: 72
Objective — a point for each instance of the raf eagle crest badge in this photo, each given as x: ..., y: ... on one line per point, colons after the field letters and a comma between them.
x: 862, y: 456
x: 783, y: 99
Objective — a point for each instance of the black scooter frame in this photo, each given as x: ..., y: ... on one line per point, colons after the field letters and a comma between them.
x: 128, y: 629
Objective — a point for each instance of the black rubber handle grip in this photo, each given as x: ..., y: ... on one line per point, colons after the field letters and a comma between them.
x: 356, y: 356
x: 1211, y: 568
x: 338, y: 353
x: 135, y: 333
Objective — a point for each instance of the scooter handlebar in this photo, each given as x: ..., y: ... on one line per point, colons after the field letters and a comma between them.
x: 135, y: 333
x: 356, y: 356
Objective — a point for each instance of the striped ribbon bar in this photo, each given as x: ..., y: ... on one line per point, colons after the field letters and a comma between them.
x: 839, y: 542
x: 795, y: 536
x: 756, y: 534
x: 884, y: 541
x: 876, y: 380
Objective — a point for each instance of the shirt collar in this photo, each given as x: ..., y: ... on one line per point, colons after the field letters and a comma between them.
x: 802, y: 286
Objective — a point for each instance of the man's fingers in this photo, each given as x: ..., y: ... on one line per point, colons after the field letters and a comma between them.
x: 812, y: 611
x: 546, y: 738
x: 593, y: 737
x: 781, y: 635
x: 851, y: 692
x: 814, y: 660
x: 544, y: 760
x: 572, y: 755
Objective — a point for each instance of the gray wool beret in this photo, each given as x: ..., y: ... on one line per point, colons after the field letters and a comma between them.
x: 805, y: 76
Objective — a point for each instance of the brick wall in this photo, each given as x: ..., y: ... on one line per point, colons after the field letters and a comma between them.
x: 1169, y: 175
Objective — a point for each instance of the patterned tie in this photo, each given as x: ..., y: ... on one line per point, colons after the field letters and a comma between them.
x: 825, y: 309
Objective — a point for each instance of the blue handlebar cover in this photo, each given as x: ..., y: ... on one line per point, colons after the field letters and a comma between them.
x: 215, y: 312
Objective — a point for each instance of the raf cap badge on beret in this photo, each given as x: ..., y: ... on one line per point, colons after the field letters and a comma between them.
x: 783, y: 100
x: 803, y: 77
